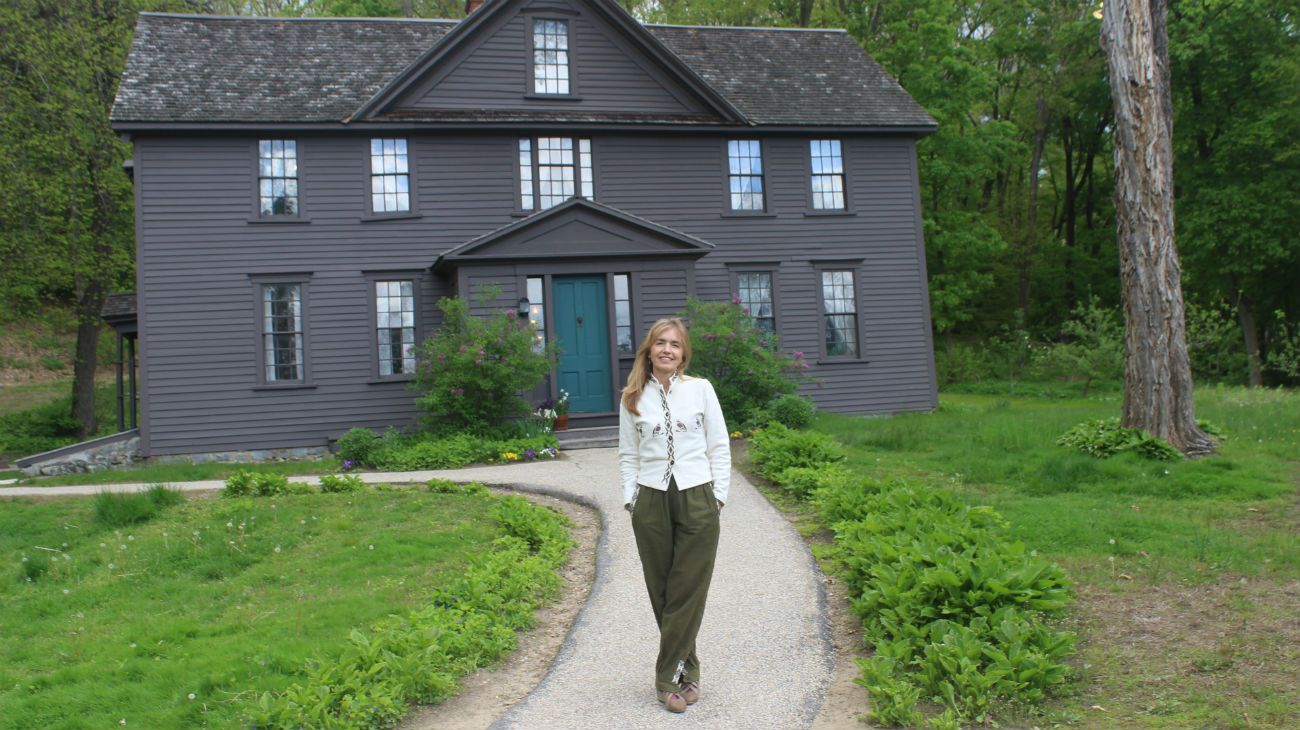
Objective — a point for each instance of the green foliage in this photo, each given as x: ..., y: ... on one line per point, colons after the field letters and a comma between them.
x: 1104, y: 438
x: 1214, y: 344
x: 161, y: 601
x: 447, y: 486
x: 471, y: 371
x: 246, y: 483
x: 1093, y: 348
x: 358, y: 446
x: 419, y: 657
x: 744, y: 364
x: 341, y: 483
x: 48, y: 425
x: 955, y: 611
x: 396, y: 452
x: 793, y: 411
x: 1284, y: 354
x: 777, y: 448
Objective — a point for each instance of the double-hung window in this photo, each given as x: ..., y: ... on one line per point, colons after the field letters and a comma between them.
x: 840, y: 313
x: 283, y: 346
x: 552, y: 170
x: 277, y: 177
x: 745, y: 174
x: 827, y: 179
x: 390, y: 176
x: 754, y: 293
x: 551, y: 57
x: 395, y: 326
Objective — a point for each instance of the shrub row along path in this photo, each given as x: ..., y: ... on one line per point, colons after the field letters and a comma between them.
x: 766, y: 641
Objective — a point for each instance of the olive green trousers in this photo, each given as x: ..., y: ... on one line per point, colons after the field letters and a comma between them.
x: 677, y: 539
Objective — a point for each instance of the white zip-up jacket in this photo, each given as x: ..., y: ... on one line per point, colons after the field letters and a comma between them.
x: 701, y: 443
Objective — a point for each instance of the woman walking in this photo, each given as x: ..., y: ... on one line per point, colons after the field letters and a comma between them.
x: 675, y: 460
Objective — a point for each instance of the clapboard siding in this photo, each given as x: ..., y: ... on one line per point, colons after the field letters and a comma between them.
x: 604, y: 68
x: 199, y: 247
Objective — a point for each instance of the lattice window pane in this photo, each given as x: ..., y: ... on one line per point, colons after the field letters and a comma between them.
x: 550, y: 57
x: 754, y: 289
x: 623, y: 313
x: 745, y: 174
x: 537, y: 312
x: 395, y: 328
x: 390, y: 179
x: 282, y: 332
x: 839, y: 304
x: 277, y: 172
x: 827, y: 174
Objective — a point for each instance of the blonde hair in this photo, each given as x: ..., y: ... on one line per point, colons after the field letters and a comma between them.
x: 642, y: 368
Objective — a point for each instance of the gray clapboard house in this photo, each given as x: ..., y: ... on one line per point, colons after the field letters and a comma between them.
x: 307, y: 188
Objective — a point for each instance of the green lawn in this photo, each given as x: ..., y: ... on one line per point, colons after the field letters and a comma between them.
x: 1187, y: 571
x: 172, y: 473
x: 174, y: 622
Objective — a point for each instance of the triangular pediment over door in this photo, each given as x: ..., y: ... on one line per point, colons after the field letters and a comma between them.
x: 484, y: 66
x: 579, y: 230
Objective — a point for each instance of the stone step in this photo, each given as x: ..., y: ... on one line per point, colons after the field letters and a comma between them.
x: 592, y: 437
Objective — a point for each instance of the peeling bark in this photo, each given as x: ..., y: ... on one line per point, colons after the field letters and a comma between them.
x: 1157, y: 371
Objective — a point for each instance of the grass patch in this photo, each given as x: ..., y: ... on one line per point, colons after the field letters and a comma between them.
x: 1186, y: 570
x: 218, y: 600
x: 47, y: 422
x: 172, y: 473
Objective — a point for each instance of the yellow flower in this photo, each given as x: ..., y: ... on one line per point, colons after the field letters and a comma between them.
x: 510, y: 456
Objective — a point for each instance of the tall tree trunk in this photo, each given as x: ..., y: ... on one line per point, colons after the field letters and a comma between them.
x: 1249, y: 330
x: 1157, y: 372
x: 1028, y: 252
x: 90, y: 301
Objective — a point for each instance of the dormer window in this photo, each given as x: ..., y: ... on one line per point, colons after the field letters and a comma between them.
x: 551, y: 57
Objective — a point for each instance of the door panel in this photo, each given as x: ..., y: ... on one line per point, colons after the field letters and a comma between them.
x: 582, y: 331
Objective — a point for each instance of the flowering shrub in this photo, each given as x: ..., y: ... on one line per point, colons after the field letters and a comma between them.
x: 472, y: 370
x: 742, y: 361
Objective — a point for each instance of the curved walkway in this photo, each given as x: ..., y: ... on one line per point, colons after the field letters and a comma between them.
x: 765, y: 646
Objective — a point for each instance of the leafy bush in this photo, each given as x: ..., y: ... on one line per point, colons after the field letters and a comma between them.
x: 954, y: 609
x: 777, y: 448
x: 1104, y: 438
x: 425, y: 451
x: 341, y: 483
x: 1093, y: 348
x: 1215, y: 345
x: 163, y: 496
x: 792, y: 411
x: 743, y: 362
x: 246, y: 483
x: 447, y: 486
x: 358, y: 446
x: 1284, y: 347
x: 471, y: 371
x: 420, y: 657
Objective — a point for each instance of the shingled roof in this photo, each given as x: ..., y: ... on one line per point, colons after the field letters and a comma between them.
x: 212, y: 69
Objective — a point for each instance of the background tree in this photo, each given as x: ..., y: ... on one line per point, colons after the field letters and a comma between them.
x: 65, y: 202
x: 1157, y: 372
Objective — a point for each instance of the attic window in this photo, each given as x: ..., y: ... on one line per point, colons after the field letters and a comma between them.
x: 550, y: 56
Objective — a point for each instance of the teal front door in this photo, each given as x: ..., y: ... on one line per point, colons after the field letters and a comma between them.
x: 582, y: 331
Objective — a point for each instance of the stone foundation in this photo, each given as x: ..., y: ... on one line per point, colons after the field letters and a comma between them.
x: 245, y: 457
x: 97, y: 455
x: 124, y: 449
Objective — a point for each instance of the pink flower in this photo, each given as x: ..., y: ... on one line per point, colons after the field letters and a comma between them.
x: 735, y: 299
x: 478, y: 362
x: 511, y: 312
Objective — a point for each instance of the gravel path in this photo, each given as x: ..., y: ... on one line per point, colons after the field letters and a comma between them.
x: 765, y: 646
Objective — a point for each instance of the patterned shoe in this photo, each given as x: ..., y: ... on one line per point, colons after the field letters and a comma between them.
x: 691, y: 692
x: 673, y: 701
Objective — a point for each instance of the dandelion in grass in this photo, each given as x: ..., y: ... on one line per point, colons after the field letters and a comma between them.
x: 277, y: 548
x: 191, y: 696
